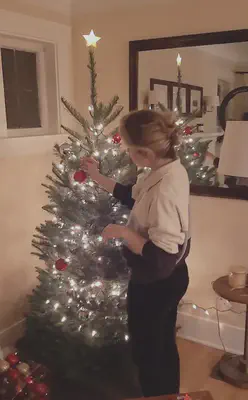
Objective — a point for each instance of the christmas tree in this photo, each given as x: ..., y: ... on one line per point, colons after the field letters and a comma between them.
x: 77, y: 312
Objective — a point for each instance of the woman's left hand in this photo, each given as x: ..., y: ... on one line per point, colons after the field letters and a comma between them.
x: 114, y: 231
x: 133, y: 240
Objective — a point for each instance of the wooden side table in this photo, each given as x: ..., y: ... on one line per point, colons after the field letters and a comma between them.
x: 234, y: 369
x: 190, y: 396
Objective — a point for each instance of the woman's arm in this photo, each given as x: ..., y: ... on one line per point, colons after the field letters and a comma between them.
x: 90, y: 165
x: 123, y: 193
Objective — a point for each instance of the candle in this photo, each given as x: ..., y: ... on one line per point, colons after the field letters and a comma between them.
x: 179, y: 60
x: 179, y: 81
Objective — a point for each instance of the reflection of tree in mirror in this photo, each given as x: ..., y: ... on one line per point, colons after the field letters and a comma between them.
x: 193, y: 152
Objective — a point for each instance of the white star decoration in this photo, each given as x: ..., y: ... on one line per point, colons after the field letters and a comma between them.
x: 91, y: 39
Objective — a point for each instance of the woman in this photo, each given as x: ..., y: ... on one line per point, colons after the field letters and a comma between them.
x: 156, y: 244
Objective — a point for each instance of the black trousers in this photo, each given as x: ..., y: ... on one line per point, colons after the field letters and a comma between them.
x: 152, y: 314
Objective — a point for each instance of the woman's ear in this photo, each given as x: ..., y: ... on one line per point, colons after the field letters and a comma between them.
x: 147, y: 154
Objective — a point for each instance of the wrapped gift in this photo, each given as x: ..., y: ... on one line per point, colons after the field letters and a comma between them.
x: 23, y: 379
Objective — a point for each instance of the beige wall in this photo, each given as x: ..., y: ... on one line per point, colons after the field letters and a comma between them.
x: 219, y: 226
x: 39, y: 11
x: 24, y: 162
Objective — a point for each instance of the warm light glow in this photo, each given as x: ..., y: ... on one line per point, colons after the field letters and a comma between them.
x: 91, y: 39
x: 179, y: 60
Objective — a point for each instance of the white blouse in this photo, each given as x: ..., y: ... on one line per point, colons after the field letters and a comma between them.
x: 161, y: 209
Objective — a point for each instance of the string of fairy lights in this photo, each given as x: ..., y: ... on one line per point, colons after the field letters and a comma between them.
x: 207, y: 311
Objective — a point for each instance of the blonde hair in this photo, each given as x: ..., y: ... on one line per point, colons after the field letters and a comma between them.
x: 155, y: 130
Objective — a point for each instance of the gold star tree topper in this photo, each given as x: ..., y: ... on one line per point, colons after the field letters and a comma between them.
x: 91, y: 39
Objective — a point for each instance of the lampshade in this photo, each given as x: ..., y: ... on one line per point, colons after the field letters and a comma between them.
x: 211, y: 102
x: 152, y: 97
x: 234, y: 150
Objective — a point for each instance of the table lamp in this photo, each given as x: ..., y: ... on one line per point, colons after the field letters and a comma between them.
x: 234, y: 150
x: 152, y: 98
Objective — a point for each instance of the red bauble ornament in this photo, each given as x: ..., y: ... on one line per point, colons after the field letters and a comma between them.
x: 13, y: 374
x: 40, y: 388
x: 29, y: 380
x: 13, y: 359
x: 196, y: 154
x: 80, y: 176
x: 188, y: 130
x: 116, y: 138
x: 60, y: 264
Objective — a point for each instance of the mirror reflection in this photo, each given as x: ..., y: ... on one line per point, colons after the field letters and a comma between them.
x: 197, y: 79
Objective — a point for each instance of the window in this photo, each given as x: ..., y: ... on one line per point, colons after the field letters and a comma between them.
x: 20, y: 89
x: 25, y: 71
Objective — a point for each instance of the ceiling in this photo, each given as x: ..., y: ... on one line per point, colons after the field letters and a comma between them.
x: 236, y: 52
x: 85, y: 6
x: 60, y: 6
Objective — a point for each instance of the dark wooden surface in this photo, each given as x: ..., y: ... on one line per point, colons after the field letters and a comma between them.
x: 234, y: 36
x: 238, y: 192
x: 222, y: 288
x: 191, y: 396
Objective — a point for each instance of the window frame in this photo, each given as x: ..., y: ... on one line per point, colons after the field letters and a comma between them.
x: 33, y: 46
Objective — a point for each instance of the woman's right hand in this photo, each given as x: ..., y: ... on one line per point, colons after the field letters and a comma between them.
x: 91, y: 167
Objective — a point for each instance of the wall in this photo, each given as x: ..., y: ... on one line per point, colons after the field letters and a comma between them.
x: 24, y: 162
x: 219, y: 226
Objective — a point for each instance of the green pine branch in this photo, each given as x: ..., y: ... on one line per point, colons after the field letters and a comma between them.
x: 109, y: 108
x: 76, y: 114
x: 93, y: 76
x: 113, y: 116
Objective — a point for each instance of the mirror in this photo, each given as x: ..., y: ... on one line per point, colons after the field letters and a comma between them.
x: 192, y: 74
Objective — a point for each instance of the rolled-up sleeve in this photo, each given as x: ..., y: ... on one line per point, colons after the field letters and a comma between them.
x: 123, y: 193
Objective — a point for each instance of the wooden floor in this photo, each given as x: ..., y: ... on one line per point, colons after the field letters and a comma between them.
x: 197, y: 362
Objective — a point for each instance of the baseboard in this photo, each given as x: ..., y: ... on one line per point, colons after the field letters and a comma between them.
x: 10, y: 335
x: 195, y: 328
x: 205, y: 331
